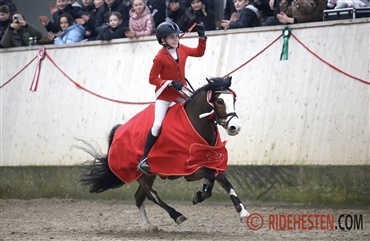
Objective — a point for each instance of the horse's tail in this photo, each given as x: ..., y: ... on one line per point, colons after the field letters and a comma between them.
x: 97, y: 174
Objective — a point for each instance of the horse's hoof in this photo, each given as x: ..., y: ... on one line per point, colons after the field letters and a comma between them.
x: 197, y: 197
x: 243, y: 215
x: 181, y: 219
x: 149, y: 228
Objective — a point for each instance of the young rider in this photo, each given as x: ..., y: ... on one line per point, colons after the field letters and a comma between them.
x: 168, y: 75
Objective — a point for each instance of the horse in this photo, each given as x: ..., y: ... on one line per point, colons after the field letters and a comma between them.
x: 205, y: 157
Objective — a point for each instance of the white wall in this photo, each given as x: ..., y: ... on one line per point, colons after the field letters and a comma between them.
x: 298, y: 111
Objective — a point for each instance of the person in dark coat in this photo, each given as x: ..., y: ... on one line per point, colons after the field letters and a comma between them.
x: 175, y: 10
x: 87, y: 18
x: 229, y: 9
x: 62, y: 7
x: 19, y: 32
x: 247, y: 16
x: 10, y: 4
x: 197, y: 13
x: 4, y: 20
x: 104, y: 12
x: 114, y: 29
x: 158, y: 10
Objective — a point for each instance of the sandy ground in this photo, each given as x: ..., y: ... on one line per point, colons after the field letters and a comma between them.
x: 66, y: 219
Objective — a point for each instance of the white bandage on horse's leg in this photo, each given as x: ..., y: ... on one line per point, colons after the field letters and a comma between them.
x: 243, y: 213
x: 232, y: 192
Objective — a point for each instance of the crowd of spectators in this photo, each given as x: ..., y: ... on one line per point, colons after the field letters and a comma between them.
x: 86, y: 20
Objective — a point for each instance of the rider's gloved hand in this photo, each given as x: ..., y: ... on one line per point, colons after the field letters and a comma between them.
x: 201, y: 30
x: 177, y: 85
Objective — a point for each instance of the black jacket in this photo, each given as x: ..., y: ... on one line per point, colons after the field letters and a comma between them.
x: 3, y: 27
x: 90, y: 11
x: 190, y: 17
x: 158, y: 10
x: 229, y: 9
x: 247, y: 17
x: 108, y: 33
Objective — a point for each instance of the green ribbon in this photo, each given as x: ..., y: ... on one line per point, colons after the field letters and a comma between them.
x: 286, y: 35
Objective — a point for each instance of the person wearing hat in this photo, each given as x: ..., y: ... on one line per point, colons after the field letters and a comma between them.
x: 168, y: 75
x: 197, y: 12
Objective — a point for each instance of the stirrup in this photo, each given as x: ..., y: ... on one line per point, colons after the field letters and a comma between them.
x: 143, y: 165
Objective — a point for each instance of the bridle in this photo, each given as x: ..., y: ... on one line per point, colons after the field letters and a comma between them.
x: 215, y: 115
x: 222, y: 118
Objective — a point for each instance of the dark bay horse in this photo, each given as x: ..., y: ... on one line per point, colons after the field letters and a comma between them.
x: 205, y: 157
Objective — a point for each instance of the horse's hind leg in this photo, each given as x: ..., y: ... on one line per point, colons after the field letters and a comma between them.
x: 225, y: 183
x: 140, y: 196
x: 152, y: 195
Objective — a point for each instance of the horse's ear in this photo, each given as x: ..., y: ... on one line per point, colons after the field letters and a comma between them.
x: 230, y: 77
x: 209, y: 81
x: 227, y: 82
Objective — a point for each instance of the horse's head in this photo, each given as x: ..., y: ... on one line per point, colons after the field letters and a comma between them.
x: 219, y: 104
x: 223, y: 102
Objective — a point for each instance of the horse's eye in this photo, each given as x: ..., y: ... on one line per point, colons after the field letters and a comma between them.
x: 219, y: 101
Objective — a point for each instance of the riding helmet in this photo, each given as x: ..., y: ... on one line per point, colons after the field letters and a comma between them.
x: 166, y: 29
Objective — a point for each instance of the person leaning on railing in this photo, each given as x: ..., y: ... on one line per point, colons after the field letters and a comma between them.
x: 19, y: 32
x: 301, y: 11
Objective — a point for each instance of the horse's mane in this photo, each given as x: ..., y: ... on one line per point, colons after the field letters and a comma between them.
x: 214, y: 84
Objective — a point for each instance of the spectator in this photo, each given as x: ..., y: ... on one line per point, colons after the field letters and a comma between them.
x: 104, y: 12
x: 210, y: 4
x: 61, y: 7
x: 158, y: 10
x: 229, y: 9
x: 197, y: 13
x: 10, y: 4
x: 301, y: 11
x: 168, y: 70
x: 247, y: 16
x: 141, y: 21
x: 114, y: 29
x: 275, y: 6
x: 19, y: 32
x: 70, y: 31
x: 87, y: 18
x: 175, y: 10
x: 76, y: 5
x: 264, y: 8
x: 4, y: 19
x: 98, y: 4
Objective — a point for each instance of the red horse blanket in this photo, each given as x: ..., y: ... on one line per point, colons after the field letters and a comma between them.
x: 178, y: 151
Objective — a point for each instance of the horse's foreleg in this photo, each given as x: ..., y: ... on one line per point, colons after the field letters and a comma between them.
x: 225, y: 183
x: 209, y: 180
x: 152, y: 195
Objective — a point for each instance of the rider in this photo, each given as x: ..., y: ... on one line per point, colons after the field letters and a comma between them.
x: 168, y: 75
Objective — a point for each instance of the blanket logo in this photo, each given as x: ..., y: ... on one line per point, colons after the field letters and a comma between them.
x: 207, y: 155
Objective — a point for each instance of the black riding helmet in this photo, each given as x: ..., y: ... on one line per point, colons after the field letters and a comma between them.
x: 166, y: 29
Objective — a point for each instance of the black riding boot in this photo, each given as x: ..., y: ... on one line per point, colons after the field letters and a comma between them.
x: 143, y: 165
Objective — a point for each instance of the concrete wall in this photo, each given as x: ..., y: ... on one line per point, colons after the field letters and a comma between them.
x: 294, y: 112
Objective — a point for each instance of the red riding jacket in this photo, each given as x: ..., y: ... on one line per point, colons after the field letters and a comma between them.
x: 165, y: 69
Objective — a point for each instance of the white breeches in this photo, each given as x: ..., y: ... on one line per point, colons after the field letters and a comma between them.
x: 160, y: 111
